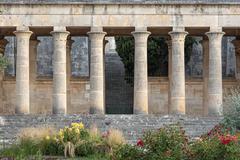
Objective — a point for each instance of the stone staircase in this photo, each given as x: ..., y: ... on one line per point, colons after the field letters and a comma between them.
x: 132, y: 126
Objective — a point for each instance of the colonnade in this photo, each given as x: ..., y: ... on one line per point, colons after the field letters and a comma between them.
x: 212, y: 88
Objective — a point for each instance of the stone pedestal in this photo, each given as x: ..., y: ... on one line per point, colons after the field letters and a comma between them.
x: 177, y: 84
x: 97, y: 101
x: 205, y: 46
x: 236, y: 44
x: 215, y: 74
x: 59, y: 72
x: 22, y: 72
x: 140, y: 105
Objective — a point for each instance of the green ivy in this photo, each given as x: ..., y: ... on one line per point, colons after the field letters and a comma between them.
x: 3, y: 63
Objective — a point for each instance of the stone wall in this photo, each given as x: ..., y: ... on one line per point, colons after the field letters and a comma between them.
x: 158, y: 95
x: 41, y: 96
x: 132, y: 126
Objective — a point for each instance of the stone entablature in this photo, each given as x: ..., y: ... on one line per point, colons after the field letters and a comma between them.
x: 122, y: 15
x: 121, y: 2
x: 27, y: 21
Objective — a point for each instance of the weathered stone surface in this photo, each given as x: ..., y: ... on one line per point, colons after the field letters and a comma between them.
x: 97, y: 76
x: 121, y: 1
x: 22, y: 72
x: 140, y: 104
x: 133, y: 126
x: 59, y: 95
x: 215, y: 73
x: 177, y: 87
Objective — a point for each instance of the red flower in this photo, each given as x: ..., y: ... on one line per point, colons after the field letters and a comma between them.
x: 140, y: 143
x: 227, y: 139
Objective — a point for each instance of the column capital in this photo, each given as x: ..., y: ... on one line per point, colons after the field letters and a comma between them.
x: 23, y: 33
x: 178, y: 35
x: 96, y: 34
x: 217, y: 35
x: 236, y: 43
x: 140, y: 33
x: 60, y: 35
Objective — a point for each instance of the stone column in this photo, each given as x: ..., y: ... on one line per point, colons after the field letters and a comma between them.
x: 33, y: 72
x: 33, y: 59
x: 236, y: 44
x: 97, y: 101
x: 177, y: 84
x: 140, y: 72
x: 3, y: 43
x: 215, y: 73
x: 69, y: 71
x: 59, y: 72
x: 169, y: 43
x: 22, y: 72
x: 205, y: 46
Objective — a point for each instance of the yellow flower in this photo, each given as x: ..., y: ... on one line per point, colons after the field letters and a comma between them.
x: 74, y: 125
x: 47, y: 137
x: 61, y: 132
x: 81, y: 125
x: 77, y: 130
x: 77, y: 125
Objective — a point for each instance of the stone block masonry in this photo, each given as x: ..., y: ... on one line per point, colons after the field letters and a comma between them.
x: 132, y: 126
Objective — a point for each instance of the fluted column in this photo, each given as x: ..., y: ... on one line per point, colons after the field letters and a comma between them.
x: 140, y: 72
x: 215, y: 73
x: 169, y: 43
x: 33, y: 73
x: 177, y: 86
x: 236, y: 44
x: 97, y: 101
x: 205, y: 46
x: 59, y: 72
x: 22, y: 72
x: 69, y: 71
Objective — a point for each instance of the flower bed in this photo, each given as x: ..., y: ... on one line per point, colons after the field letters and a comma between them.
x: 168, y: 143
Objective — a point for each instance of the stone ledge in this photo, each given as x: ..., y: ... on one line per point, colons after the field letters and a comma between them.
x: 120, y: 2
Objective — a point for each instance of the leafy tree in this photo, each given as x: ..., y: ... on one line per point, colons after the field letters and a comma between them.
x: 157, y: 55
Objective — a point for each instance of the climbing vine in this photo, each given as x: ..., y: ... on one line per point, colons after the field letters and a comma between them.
x: 3, y: 62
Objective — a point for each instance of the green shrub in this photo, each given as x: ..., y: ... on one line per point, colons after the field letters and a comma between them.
x: 128, y: 152
x: 85, y: 149
x: 216, y: 148
x: 167, y: 143
x: 232, y: 109
x: 51, y: 147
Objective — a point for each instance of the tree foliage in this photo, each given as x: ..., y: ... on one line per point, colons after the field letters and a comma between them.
x: 157, y: 55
